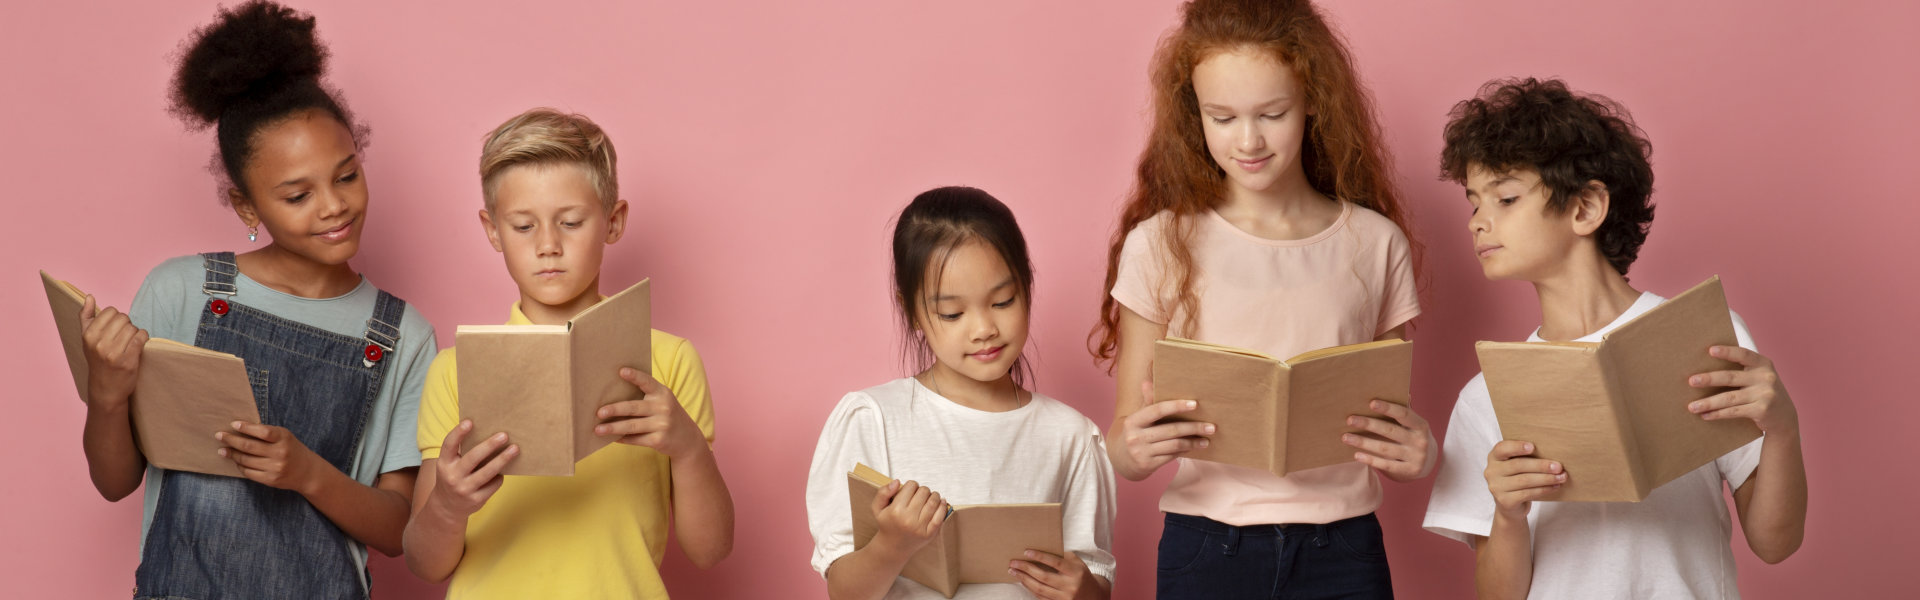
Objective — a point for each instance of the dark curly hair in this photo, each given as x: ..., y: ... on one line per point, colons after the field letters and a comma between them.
x: 1569, y: 139
x: 255, y: 65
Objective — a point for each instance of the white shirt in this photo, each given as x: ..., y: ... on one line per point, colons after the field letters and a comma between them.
x: 1042, y: 452
x: 1674, y: 544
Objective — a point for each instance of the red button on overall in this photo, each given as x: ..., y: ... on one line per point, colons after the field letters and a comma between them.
x: 219, y: 306
x: 374, y: 353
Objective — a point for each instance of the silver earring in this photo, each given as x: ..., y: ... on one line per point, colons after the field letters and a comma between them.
x: 253, y: 234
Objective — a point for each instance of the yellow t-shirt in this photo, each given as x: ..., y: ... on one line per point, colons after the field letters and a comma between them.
x: 598, y: 534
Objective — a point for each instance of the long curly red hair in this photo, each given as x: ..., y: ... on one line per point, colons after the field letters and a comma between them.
x: 1342, y: 153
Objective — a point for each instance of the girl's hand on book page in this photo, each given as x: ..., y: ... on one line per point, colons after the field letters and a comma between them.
x: 464, y: 481
x: 1516, y: 481
x: 271, y: 456
x: 909, y: 515
x: 1407, y: 452
x: 1149, y: 446
x: 112, y: 346
x: 656, y: 420
x: 1760, y: 395
x: 1052, y: 577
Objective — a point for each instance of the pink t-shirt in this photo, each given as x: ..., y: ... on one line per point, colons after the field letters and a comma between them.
x: 1345, y: 285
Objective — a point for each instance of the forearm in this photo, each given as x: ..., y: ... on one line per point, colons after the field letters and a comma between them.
x: 1775, y: 517
x: 702, y: 508
x: 435, y: 541
x: 373, y: 516
x: 1503, y: 561
x: 866, y: 573
x: 114, y: 461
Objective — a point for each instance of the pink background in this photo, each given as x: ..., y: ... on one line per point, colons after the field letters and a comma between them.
x: 767, y: 144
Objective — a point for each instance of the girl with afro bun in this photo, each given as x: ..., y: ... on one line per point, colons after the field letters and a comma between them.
x: 336, y: 364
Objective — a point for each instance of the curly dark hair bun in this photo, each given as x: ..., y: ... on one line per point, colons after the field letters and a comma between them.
x: 256, y: 64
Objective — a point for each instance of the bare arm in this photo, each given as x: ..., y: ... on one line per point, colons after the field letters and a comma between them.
x: 702, y: 506
x: 450, y: 489
x: 1503, y: 561
x: 113, y: 347
x: 1773, y: 501
x: 909, y: 516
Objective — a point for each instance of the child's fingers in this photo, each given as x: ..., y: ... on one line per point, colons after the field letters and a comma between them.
x: 265, y: 433
x: 1741, y: 411
x: 1033, y: 585
x: 1518, y: 466
x: 1046, y: 558
x: 912, y: 495
x: 1151, y: 413
x: 1509, y: 449
x: 628, y: 408
x: 1381, y: 427
x: 241, y: 443
x: 493, y: 466
x: 450, y: 447
x: 630, y: 426
x: 138, y: 343
x: 885, y: 497
x: 1375, y: 447
x: 1718, y: 401
x: 642, y: 380
x: 1746, y: 358
x: 1176, y: 446
x: 1383, y: 464
x: 245, y: 460
x: 1178, y: 429
x: 1400, y: 413
x: 87, y: 310
x: 1527, y: 481
x: 1719, y: 379
x: 931, y: 513
x: 471, y: 460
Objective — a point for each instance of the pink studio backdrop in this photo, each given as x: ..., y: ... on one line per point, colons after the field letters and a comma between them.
x: 766, y: 145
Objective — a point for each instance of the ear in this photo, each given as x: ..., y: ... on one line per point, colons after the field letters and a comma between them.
x: 486, y: 224
x: 243, y: 207
x: 1589, y: 208
x: 617, y: 221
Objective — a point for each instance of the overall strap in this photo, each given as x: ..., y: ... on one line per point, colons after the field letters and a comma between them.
x: 383, y: 329
x: 221, y: 271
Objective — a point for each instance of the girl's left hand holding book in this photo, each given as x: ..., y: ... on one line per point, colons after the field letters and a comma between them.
x: 1405, y: 453
x: 656, y: 420
x: 270, y: 455
x: 1057, y: 578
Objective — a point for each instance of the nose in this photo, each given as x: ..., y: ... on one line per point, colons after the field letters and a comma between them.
x: 984, y: 327
x: 546, y: 241
x: 1250, y: 139
x: 1479, y: 223
x: 331, y: 204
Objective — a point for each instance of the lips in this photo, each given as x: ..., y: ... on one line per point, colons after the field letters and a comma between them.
x: 337, y: 234
x: 988, y: 355
x: 549, y: 273
x: 1255, y: 164
x: 1485, y: 249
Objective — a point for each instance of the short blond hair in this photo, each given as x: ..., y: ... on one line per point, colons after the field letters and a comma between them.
x: 544, y: 136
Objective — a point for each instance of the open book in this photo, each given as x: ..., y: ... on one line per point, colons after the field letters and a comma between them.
x: 1614, y: 412
x: 544, y: 384
x: 182, y: 395
x: 1275, y: 415
x: 973, y: 546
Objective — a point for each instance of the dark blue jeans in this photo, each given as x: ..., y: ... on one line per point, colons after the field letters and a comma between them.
x: 1204, y: 558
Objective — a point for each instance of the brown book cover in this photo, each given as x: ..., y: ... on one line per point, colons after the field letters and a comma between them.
x: 182, y: 395
x: 1614, y: 412
x: 544, y: 384
x: 1275, y: 415
x: 973, y: 546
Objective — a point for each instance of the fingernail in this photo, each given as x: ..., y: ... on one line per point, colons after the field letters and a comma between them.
x: 1696, y: 380
x: 1193, y: 404
x: 236, y: 424
x: 1528, y: 447
x: 1030, y: 554
x: 1555, y: 467
x: 1695, y: 407
x: 1355, y: 422
x: 514, y: 449
x: 220, y: 435
x: 1348, y: 438
x: 1716, y: 351
x: 1204, y: 443
x: 500, y: 436
x: 1561, y: 477
x: 1209, y: 429
x: 222, y: 451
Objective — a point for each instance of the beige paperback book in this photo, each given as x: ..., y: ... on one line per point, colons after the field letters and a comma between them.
x: 182, y: 395
x: 544, y: 384
x: 973, y: 546
x: 1614, y: 412
x: 1281, y: 416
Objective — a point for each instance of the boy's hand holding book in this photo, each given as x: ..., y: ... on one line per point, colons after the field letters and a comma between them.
x: 1516, y: 478
x: 656, y: 420
x: 909, y: 515
x: 464, y: 481
x: 1050, y: 577
x: 1759, y: 395
x: 1405, y: 452
x: 113, y: 348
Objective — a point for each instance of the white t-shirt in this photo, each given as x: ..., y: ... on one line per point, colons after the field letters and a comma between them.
x: 1042, y: 452
x: 1674, y: 544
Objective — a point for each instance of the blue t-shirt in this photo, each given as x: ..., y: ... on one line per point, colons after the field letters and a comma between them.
x: 168, y: 306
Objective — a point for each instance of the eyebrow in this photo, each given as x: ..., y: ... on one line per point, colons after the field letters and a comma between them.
x: 343, y: 162
x: 1492, y: 184
x: 1003, y: 285
x: 1262, y: 105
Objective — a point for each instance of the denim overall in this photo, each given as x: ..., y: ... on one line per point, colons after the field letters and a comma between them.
x: 228, y: 537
